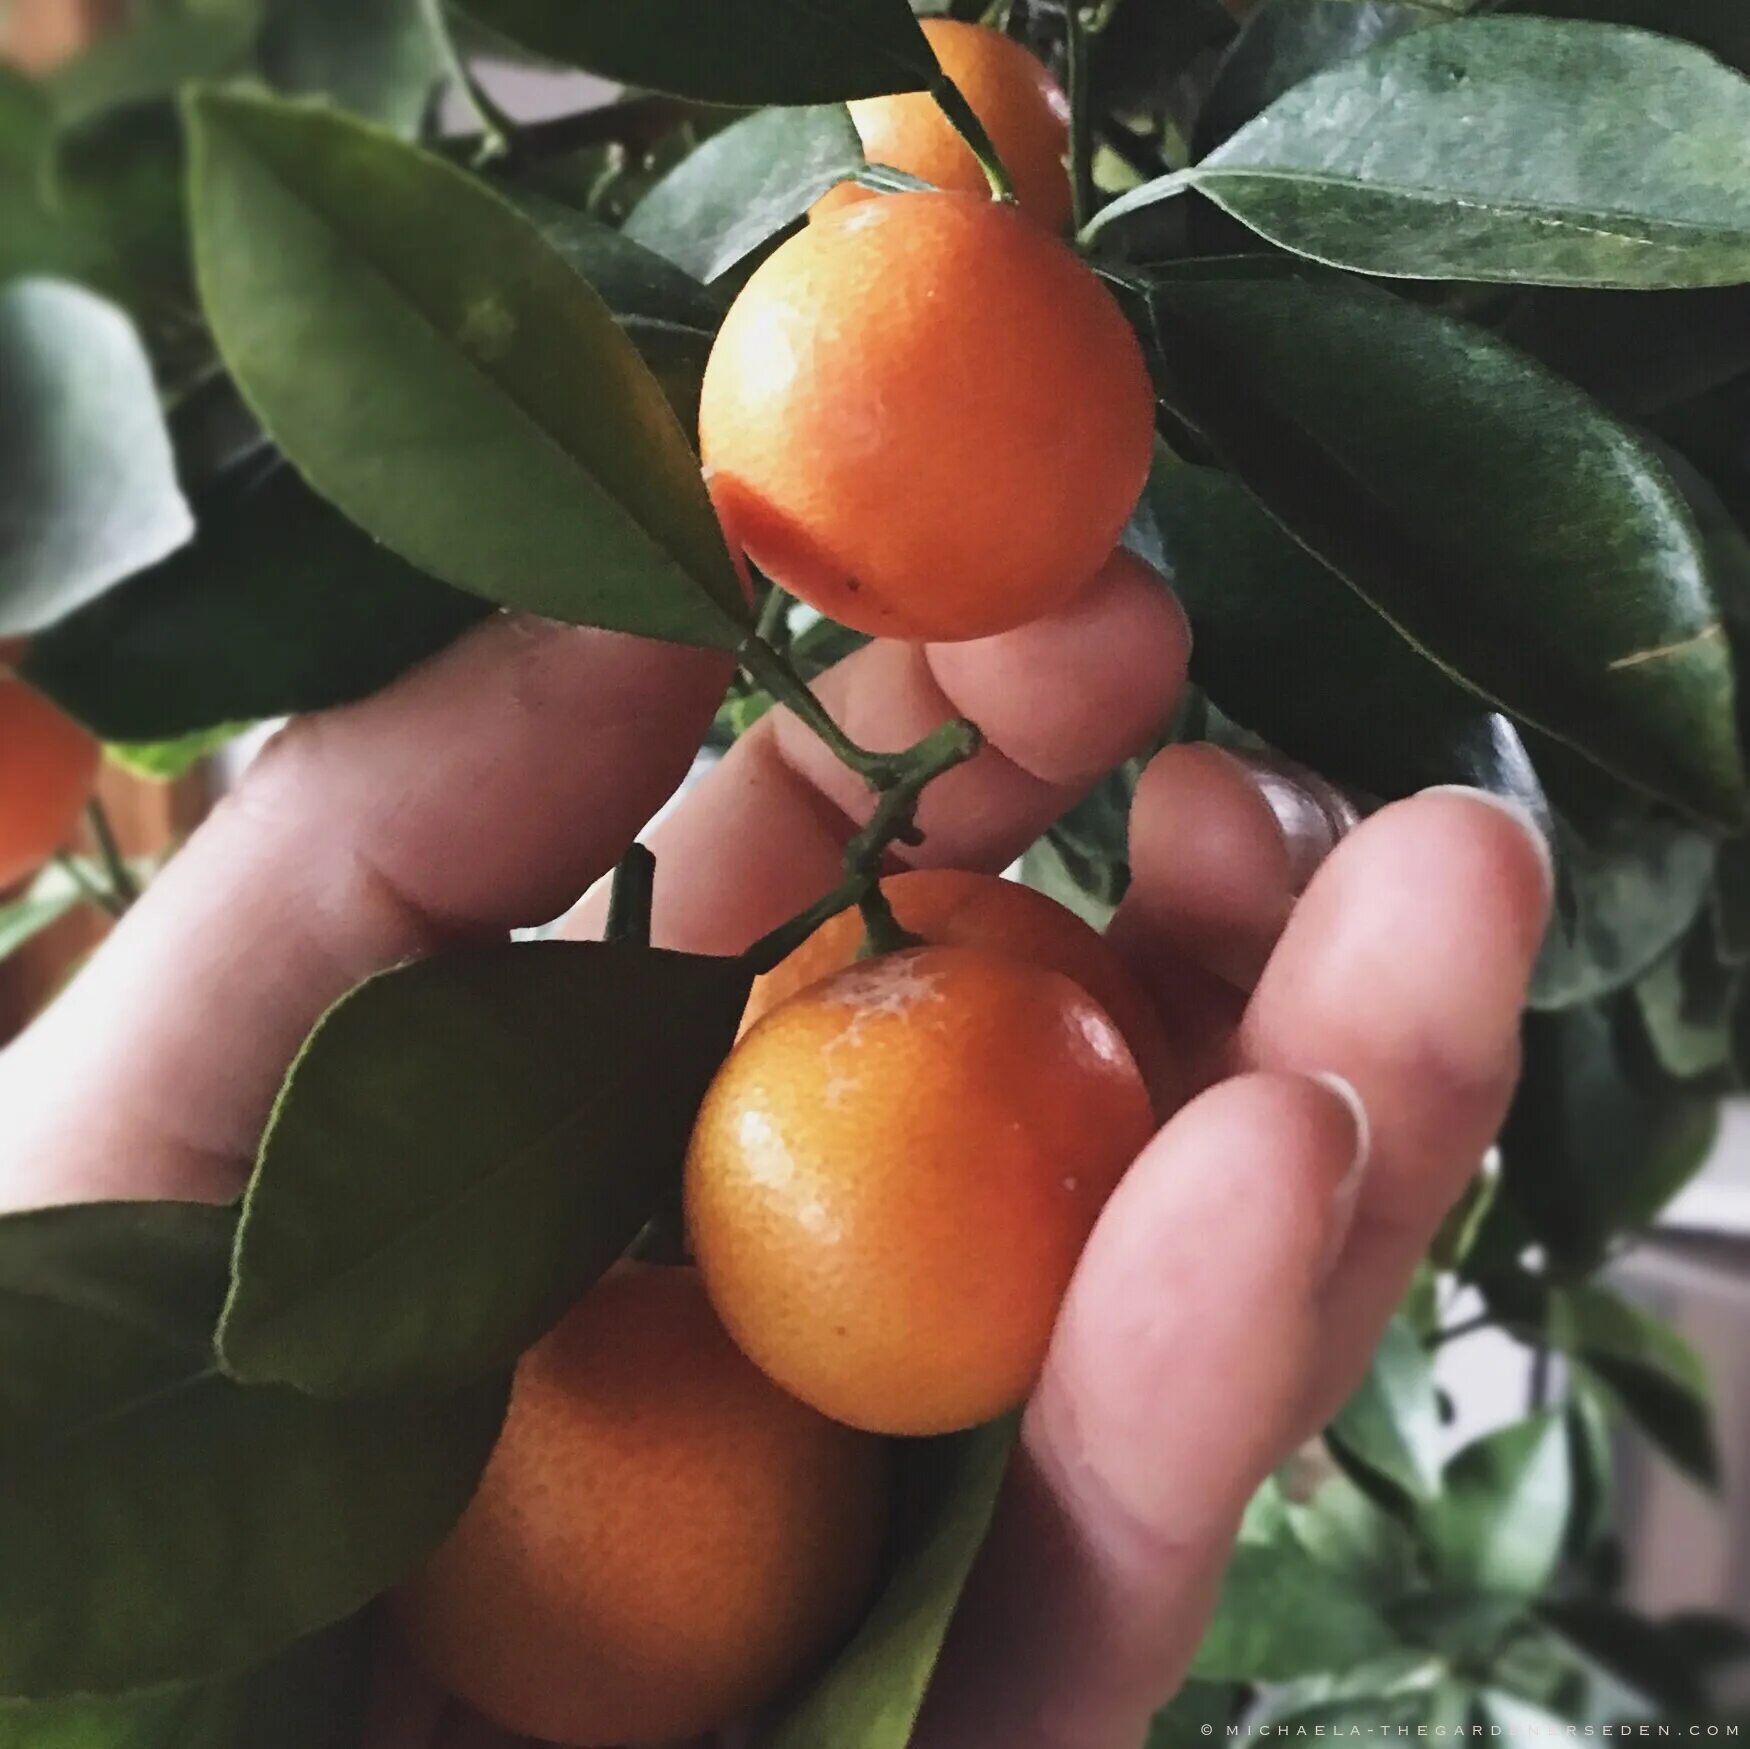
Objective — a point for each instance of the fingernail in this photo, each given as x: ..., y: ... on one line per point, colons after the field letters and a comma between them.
x: 1347, y: 1195
x: 1311, y: 814
x: 1519, y: 814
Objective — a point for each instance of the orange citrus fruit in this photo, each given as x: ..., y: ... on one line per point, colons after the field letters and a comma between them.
x: 48, y: 770
x: 894, y: 1173
x: 952, y: 907
x: 662, y: 1540
x: 1024, y: 110
x: 927, y: 418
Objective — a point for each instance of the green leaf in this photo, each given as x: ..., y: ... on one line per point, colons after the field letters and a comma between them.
x: 1285, y: 42
x: 1647, y: 1368
x: 1687, y: 1001
x: 745, y: 185
x: 1480, y: 151
x: 1342, y: 1529
x: 1282, y: 1615
x: 1531, y: 546
x: 1499, y: 1524
x: 51, y: 896
x: 870, y: 1697
x: 34, y: 238
x: 152, y: 58
x: 732, y: 51
x: 1391, y: 1426
x: 1283, y: 646
x: 436, y: 370
x: 280, y: 606
x: 1732, y: 900
x: 1197, y: 1711
x: 88, y: 490
x: 1625, y: 893
x: 311, y: 1697
x: 462, y: 1148
x: 165, y: 761
x: 1592, y: 1150
x: 669, y: 316
x: 1720, y: 26
x: 377, y: 57
x: 161, y: 1523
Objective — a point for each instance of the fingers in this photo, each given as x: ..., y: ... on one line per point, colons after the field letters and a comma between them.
x: 1404, y: 970
x: 1174, y: 1379
x: 484, y: 790
x: 1060, y: 702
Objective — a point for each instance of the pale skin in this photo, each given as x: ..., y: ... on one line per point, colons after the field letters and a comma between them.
x: 1234, y: 1288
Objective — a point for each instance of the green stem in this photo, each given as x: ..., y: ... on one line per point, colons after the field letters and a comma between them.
x: 1081, y: 114
x: 894, y: 820
x: 770, y: 669
x: 104, y: 900
x: 966, y: 124
x: 629, y: 899
x: 121, y: 878
x: 1466, y: 1327
x: 497, y: 130
x: 774, y: 621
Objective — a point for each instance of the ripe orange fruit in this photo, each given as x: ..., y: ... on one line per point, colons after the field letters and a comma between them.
x: 48, y: 770
x: 952, y: 907
x: 927, y: 418
x: 662, y: 1540
x: 1024, y: 110
x: 894, y: 1173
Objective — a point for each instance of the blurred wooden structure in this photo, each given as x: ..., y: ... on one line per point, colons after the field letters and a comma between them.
x: 148, y: 817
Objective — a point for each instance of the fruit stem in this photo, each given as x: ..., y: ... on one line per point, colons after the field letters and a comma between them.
x: 774, y: 621
x: 122, y: 884
x: 1081, y: 115
x: 104, y: 900
x: 894, y: 820
x: 772, y: 670
x: 966, y: 124
x: 629, y: 899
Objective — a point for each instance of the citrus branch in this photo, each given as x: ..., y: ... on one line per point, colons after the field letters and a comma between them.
x: 629, y: 898
x: 497, y: 130
x: 1081, y: 115
x: 953, y: 104
x: 898, y: 780
x: 122, y: 885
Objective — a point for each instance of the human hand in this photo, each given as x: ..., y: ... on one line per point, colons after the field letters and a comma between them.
x: 1235, y: 1287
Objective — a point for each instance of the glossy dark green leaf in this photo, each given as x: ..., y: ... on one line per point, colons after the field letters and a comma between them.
x: 380, y: 58
x: 1499, y: 1523
x: 280, y: 606
x: 1592, y: 1149
x: 1687, y: 1000
x: 50, y: 897
x: 462, y: 1148
x: 1732, y: 900
x: 732, y: 51
x: 1283, y: 1615
x: 1480, y: 151
x: 1197, y: 1711
x: 152, y: 57
x: 669, y: 316
x: 312, y: 1697
x: 870, y: 1697
x: 1625, y: 893
x: 1156, y: 54
x: 34, y: 238
x: 1533, y: 547
x: 437, y: 371
x: 161, y: 1523
x: 88, y: 491
x: 1391, y: 1425
x: 1649, y: 1654
x: 1720, y: 26
x: 1286, y: 41
x: 1344, y: 1530
x: 745, y: 185
x: 1283, y: 646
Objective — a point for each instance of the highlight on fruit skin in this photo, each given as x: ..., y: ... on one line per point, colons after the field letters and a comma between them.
x: 48, y: 773
x: 663, y: 1541
x: 953, y: 907
x: 1023, y: 108
x: 927, y: 418
x: 894, y: 1174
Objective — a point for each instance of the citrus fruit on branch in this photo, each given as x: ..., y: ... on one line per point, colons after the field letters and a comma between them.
x: 48, y: 772
x: 893, y: 1175
x: 952, y: 907
x: 927, y: 418
x: 1023, y: 109
x: 662, y: 1541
